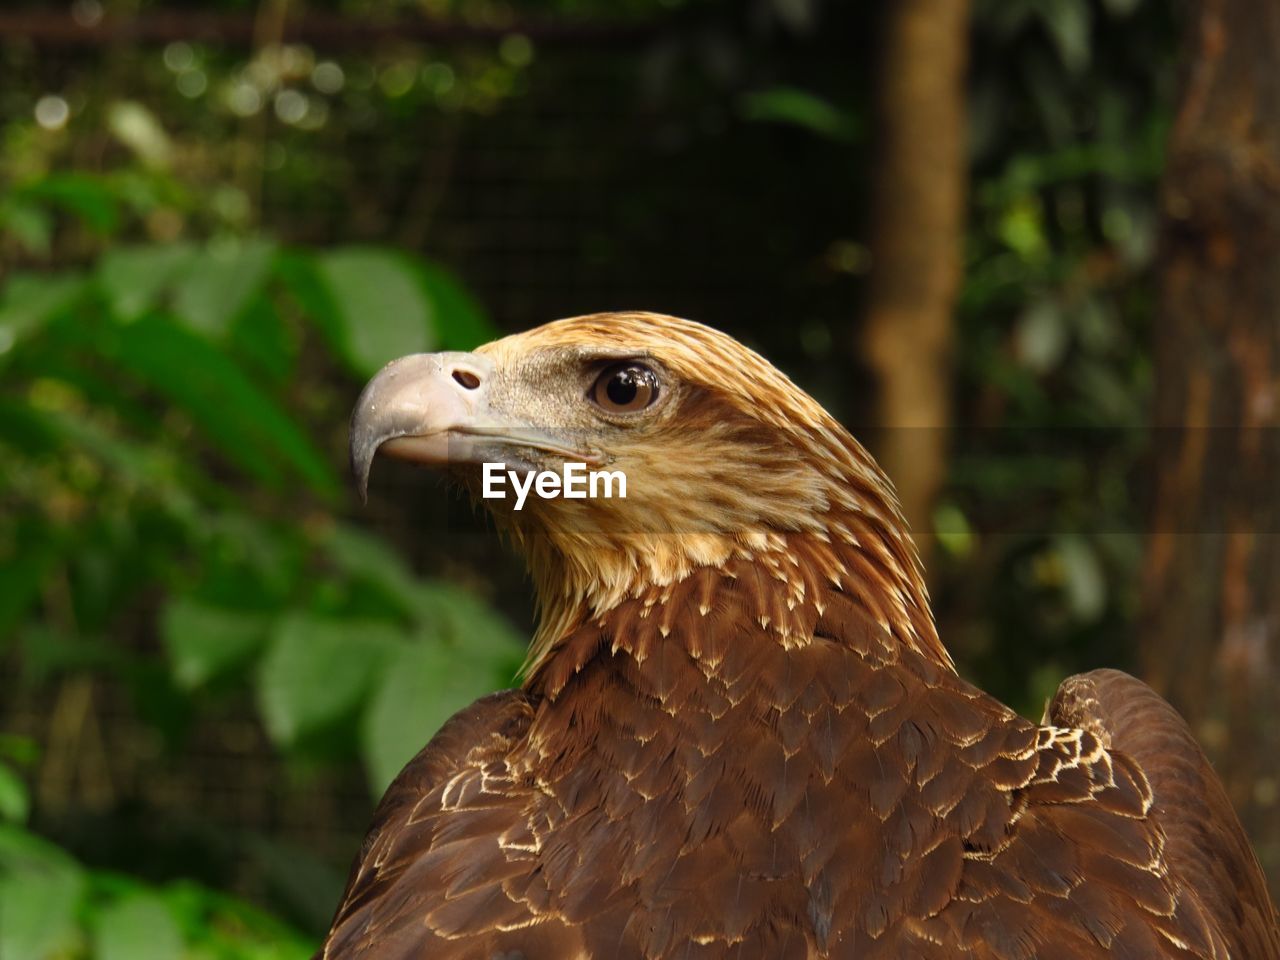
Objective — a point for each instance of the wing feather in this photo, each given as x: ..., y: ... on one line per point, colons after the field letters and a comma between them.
x: 1205, y: 847
x: 410, y: 849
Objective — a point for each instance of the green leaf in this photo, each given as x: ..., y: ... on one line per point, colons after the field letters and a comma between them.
x: 1069, y: 23
x: 250, y: 563
x: 317, y: 671
x: 29, y: 223
x: 133, y: 279
x: 218, y: 285
x: 48, y: 651
x: 15, y: 803
x: 25, y: 430
x: 446, y: 612
x: 259, y: 336
x: 477, y: 631
x: 952, y: 529
x: 1083, y: 578
x: 138, y: 129
x: 460, y: 321
x: 360, y: 555
x: 422, y: 686
x: 799, y: 108
x: 300, y: 878
x: 1041, y: 337
x: 380, y: 308
x: 222, y: 927
x: 85, y: 196
x: 19, y: 749
x: 1022, y: 228
x: 300, y: 276
x: 137, y: 927
x: 23, y: 573
x: 204, y: 642
x: 40, y: 893
x: 246, y: 424
x: 29, y: 301
x: 148, y: 470
x: 465, y: 650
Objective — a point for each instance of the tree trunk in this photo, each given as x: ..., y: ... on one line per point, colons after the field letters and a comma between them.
x: 916, y: 236
x: 1210, y: 638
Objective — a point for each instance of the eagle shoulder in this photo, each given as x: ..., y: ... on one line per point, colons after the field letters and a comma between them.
x: 1205, y: 849
x: 434, y: 861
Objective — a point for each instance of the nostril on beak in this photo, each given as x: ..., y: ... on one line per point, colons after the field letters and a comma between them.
x: 466, y: 379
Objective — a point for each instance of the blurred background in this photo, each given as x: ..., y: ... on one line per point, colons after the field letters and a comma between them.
x: 1024, y: 248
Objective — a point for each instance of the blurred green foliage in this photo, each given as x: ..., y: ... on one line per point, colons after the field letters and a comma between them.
x: 160, y: 478
x: 1071, y: 101
x: 139, y: 392
x: 51, y: 906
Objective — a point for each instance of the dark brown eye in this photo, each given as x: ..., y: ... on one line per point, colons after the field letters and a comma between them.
x: 625, y: 388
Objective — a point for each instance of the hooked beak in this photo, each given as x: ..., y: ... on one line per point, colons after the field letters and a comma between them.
x: 433, y: 408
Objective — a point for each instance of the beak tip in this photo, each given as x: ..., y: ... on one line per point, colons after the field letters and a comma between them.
x: 360, y: 478
x: 362, y: 451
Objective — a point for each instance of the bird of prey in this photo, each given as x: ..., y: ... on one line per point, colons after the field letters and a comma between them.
x: 738, y: 734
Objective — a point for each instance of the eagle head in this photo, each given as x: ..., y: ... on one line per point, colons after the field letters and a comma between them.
x: 724, y: 458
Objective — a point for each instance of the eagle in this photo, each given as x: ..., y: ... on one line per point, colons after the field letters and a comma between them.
x: 738, y: 734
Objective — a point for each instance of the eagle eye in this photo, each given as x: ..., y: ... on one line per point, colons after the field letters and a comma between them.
x: 625, y: 388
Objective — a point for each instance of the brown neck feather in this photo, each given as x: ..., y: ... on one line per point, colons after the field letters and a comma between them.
x: 791, y: 591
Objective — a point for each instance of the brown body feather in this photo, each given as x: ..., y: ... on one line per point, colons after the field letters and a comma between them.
x: 767, y: 756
